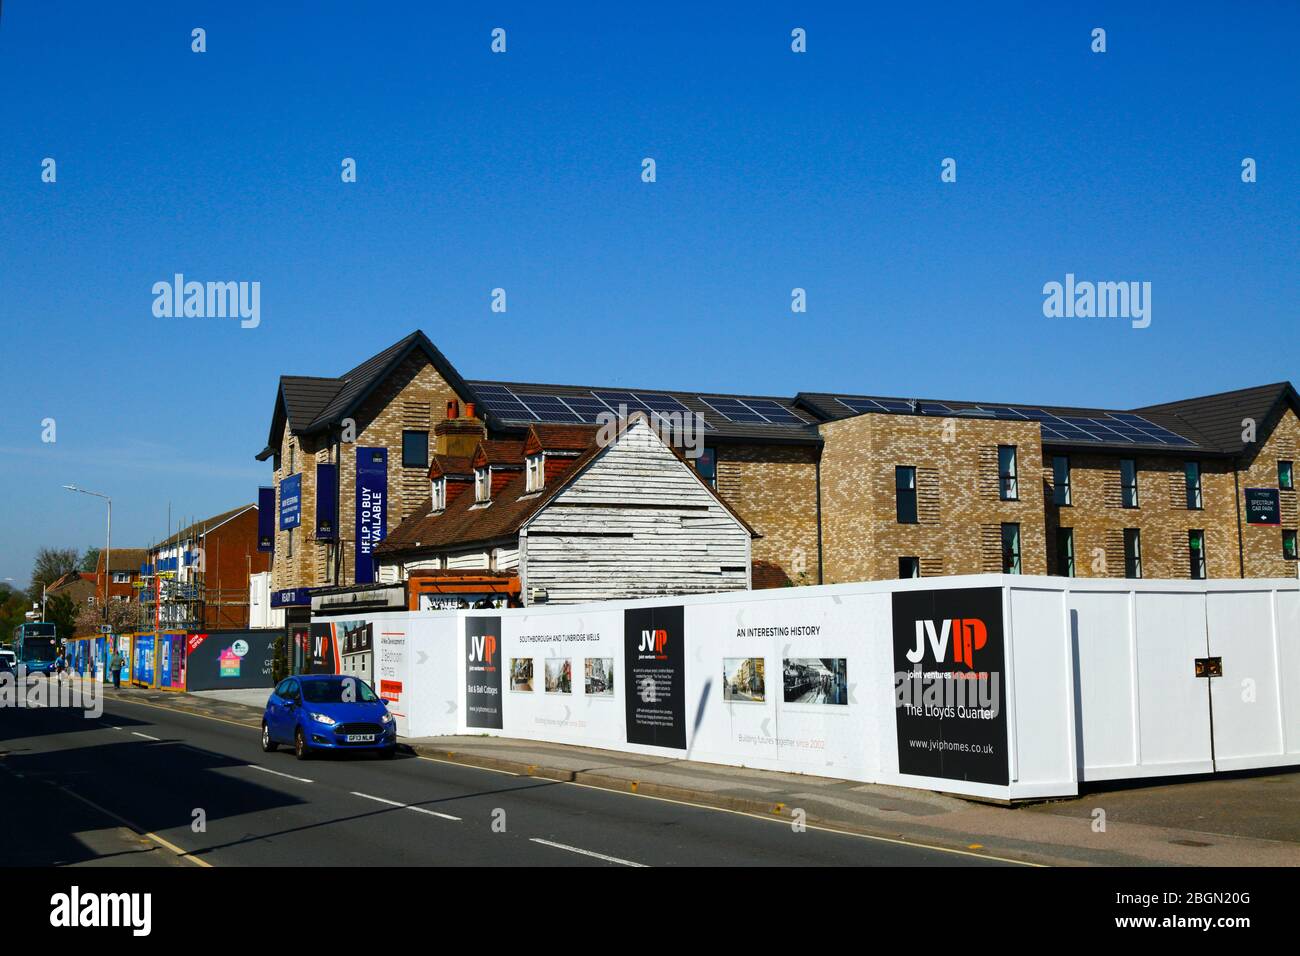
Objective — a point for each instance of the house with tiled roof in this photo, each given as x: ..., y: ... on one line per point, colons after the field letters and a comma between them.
x: 573, y: 513
x: 836, y: 486
x: 198, y: 576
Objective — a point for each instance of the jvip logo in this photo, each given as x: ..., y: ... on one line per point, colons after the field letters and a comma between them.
x: 482, y: 650
x: 968, y: 635
x: 653, y: 644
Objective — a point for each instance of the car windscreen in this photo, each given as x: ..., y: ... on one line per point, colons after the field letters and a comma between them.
x: 333, y: 691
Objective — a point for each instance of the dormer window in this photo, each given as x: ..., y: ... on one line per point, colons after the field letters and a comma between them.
x: 482, y: 484
x: 536, y: 476
x: 438, y: 492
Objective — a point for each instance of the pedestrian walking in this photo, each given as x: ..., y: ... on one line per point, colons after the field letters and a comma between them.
x: 115, y: 665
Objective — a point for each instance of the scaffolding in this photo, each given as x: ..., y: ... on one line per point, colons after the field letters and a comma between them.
x: 167, y: 603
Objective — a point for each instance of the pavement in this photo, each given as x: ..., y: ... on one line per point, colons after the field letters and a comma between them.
x: 574, y: 795
x: 249, y: 696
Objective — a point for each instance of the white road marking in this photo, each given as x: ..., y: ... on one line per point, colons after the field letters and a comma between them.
x: 406, y: 806
x: 183, y: 854
x: 576, y: 849
x: 137, y: 733
x: 253, y: 766
x: 780, y: 821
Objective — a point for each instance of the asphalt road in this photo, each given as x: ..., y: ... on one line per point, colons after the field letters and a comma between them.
x: 134, y: 785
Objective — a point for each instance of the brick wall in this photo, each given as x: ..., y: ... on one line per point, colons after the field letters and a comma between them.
x: 1263, y: 544
x: 1098, y: 516
x: 229, y: 555
x: 774, y: 488
x: 959, y: 510
x: 414, y: 397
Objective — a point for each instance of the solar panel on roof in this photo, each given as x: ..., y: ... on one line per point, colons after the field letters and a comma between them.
x: 859, y: 404
x: 734, y: 410
x: 589, y: 409
x: 661, y: 402
x: 504, y: 404
x: 774, y: 412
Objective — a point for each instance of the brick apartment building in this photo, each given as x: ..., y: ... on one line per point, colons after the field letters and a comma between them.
x: 836, y: 487
x: 204, y: 570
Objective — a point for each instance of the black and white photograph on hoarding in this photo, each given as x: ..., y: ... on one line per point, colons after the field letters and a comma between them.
x: 598, y: 677
x: 559, y: 675
x: 521, y: 674
x: 744, y: 680
x: 815, y: 680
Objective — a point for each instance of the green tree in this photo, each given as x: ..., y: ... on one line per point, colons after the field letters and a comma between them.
x: 13, y: 609
x: 89, y: 560
x: 62, y: 611
x: 279, y: 660
x: 51, y: 564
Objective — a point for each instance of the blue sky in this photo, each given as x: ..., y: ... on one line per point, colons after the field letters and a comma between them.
x: 775, y: 170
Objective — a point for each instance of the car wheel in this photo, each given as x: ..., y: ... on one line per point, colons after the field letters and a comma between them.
x: 388, y: 753
x: 300, y: 748
x: 268, y: 745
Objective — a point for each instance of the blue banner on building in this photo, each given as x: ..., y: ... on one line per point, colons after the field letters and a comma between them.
x: 291, y: 502
x: 372, y: 508
x: 327, y: 502
x: 265, y: 519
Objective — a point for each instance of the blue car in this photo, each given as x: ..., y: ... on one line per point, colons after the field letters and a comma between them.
x: 317, y: 712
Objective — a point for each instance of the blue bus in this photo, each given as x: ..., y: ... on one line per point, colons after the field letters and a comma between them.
x: 36, y: 645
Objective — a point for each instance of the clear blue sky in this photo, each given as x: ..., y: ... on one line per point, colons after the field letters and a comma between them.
x: 522, y: 170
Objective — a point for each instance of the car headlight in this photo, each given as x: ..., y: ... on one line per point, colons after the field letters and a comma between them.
x: 386, y: 719
x: 323, y: 719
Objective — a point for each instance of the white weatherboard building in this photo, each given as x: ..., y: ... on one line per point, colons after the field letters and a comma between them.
x: 575, y: 519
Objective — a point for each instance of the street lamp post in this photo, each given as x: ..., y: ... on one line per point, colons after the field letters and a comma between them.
x: 108, y: 544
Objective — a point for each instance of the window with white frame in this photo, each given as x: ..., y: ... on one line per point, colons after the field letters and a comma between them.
x: 482, y: 484
x: 438, y: 491
x: 536, y: 477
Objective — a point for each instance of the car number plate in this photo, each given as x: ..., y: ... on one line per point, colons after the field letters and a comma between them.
x: 361, y: 738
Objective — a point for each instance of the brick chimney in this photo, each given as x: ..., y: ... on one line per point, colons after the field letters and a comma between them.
x: 458, y: 434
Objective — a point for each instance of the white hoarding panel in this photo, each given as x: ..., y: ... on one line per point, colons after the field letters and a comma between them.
x: 1042, y: 693
x: 1173, y: 709
x: 1246, y: 699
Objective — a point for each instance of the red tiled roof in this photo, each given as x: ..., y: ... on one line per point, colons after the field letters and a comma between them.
x: 466, y: 522
x: 496, y: 452
x: 559, y: 437
x: 450, y: 465
x: 768, y: 574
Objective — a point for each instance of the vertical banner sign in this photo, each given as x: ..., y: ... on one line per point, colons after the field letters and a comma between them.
x: 265, y: 519
x: 323, y: 655
x: 327, y: 501
x: 654, y: 678
x: 291, y: 502
x: 372, y: 508
x: 483, y: 672
x: 950, y: 683
x: 1263, y: 506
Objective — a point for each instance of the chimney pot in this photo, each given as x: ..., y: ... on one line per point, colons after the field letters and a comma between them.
x: 453, y: 409
x: 469, y: 409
